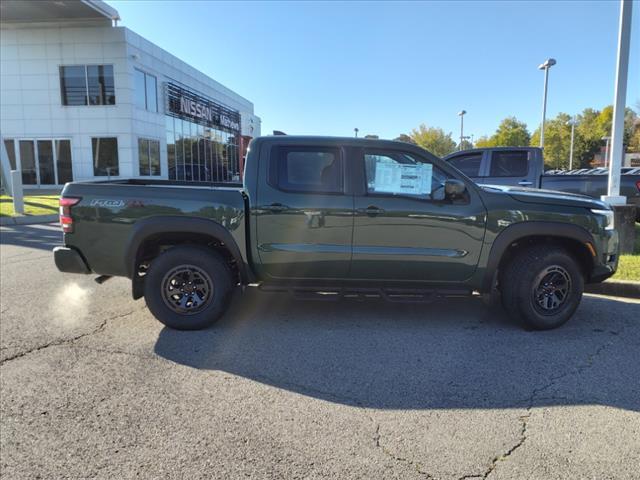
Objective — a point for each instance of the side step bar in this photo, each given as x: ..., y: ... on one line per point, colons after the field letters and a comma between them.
x: 400, y: 295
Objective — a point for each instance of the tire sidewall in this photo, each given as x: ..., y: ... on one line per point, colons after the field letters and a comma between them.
x: 205, y: 259
x: 525, y: 297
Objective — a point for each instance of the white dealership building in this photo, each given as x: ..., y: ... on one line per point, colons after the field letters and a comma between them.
x: 82, y: 98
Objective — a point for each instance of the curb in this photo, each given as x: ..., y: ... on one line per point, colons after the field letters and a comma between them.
x: 615, y: 288
x: 28, y: 220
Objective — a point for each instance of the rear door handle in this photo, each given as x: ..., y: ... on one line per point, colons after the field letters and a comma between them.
x: 277, y: 207
x: 371, y: 210
x: 525, y: 183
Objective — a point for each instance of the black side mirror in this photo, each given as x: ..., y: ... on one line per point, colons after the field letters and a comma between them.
x: 454, y: 189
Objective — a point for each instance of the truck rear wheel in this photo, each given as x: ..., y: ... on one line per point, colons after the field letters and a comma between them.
x: 188, y: 287
x: 542, y: 286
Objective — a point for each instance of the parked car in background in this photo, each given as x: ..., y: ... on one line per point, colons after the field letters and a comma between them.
x: 524, y: 166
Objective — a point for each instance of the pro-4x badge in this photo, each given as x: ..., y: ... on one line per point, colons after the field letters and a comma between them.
x: 106, y: 203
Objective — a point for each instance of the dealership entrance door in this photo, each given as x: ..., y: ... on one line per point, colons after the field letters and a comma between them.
x: 44, y: 163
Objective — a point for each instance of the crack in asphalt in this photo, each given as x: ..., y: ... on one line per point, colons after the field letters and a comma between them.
x: 304, y: 389
x: 393, y: 456
x: 64, y: 341
x: 524, y: 419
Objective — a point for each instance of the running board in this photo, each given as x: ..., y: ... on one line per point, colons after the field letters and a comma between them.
x: 399, y: 295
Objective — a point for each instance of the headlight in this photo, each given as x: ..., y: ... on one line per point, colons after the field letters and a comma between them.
x: 608, y: 215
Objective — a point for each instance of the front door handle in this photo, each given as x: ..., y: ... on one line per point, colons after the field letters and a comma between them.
x: 371, y: 211
x: 276, y: 207
x: 525, y: 183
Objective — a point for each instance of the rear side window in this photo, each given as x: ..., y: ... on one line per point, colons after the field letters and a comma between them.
x: 468, y: 164
x: 509, y: 164
x: 307, y: 169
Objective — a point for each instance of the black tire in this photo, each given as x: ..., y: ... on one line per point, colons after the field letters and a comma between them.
x: 533, y: 283
x: 188, y: 287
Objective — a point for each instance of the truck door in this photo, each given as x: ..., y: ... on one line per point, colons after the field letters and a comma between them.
x: 510, y: 167
x: 405, y: 230
x: 304, y: 216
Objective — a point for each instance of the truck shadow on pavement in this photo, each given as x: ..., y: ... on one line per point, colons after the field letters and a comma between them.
x: 448, y: 354
x: 41, y: 236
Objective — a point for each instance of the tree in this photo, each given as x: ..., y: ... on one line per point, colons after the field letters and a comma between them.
x: 484, y: 142
x: 511, y: 133
x: 591, y: 127
x: 634, y: 142
x: 433, y: 139
x: 557, y: 141
x: 403, y: 137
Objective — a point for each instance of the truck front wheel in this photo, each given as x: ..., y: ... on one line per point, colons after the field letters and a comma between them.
x: 188, y: 287
x: 542, y: 286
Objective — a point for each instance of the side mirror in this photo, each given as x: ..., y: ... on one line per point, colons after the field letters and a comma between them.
x: 454, y: 189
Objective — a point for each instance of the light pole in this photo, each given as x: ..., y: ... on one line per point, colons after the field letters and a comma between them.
x: 548, y: 63
x: 461, y: 113
x: 356, y: 132
x: 613, y: 196
x: 572, y: 122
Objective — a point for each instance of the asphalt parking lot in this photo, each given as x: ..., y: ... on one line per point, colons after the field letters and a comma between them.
x: 91, y: 386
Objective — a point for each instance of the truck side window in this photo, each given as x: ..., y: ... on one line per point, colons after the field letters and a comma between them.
x: 468, y: 164
x: 509, y: 164
x: 307, y: 169
x: 398, y: 173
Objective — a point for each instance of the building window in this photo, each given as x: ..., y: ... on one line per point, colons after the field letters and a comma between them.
x: 146, y: 91
x: 42, y: 161
x: 11, y: 152
x: 105, y: 157
x: 149, y: 156
x: 87, y: 85
x: 28, y: 162
x: 63, y: 161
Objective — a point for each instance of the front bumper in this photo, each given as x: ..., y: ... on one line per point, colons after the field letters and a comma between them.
x: 606, y: 262
x: 69, y: 260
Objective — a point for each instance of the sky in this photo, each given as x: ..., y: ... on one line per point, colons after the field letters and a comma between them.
x: 325, y: 68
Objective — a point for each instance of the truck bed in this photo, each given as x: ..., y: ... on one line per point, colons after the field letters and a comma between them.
x: 593, y: 185
x: 161, y: 183
x: 110, y: 213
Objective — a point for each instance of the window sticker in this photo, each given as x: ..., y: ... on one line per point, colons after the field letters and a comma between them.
x: 408, y: 179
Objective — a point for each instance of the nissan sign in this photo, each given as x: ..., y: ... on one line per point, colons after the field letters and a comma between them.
x: 183, y: 103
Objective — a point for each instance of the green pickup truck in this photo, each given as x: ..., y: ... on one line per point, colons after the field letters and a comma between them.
x: 338, y: 217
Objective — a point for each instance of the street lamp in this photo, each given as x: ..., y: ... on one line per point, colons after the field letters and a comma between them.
x: 356, y: 131
x: 461, y: 114
x: 571, y: 122
x: 548, y: 63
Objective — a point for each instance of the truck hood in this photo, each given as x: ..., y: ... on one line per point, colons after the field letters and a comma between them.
x: 549, y: 197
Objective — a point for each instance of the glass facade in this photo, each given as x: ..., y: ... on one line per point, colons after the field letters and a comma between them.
x: 196, y: 153
x: 149, y: 156
x: 42, y: 161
